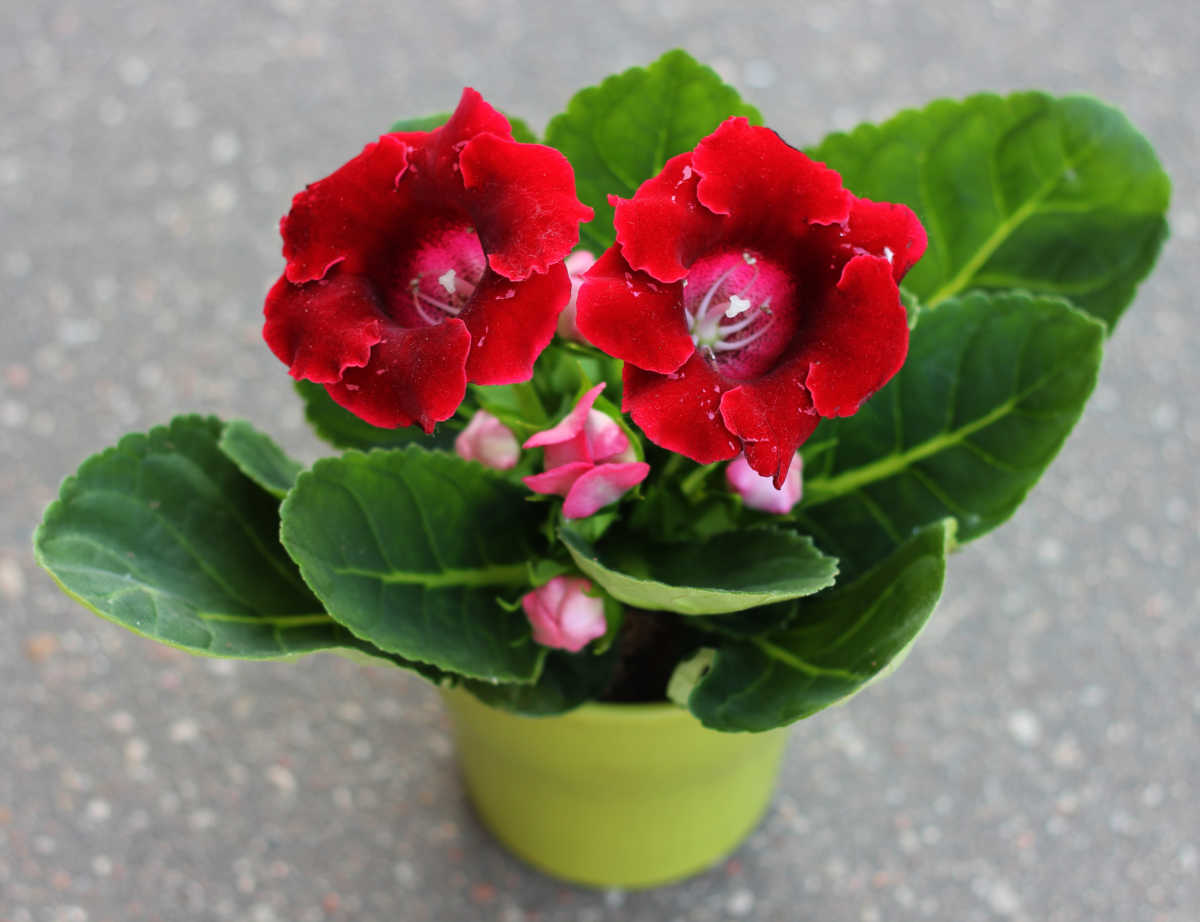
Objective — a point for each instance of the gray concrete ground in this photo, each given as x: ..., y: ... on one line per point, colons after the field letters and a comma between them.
x: 1036, y: 758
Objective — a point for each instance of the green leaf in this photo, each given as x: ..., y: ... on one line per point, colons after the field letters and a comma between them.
x: 726, y: 573
x: 258, y: 457
x: 1055, y: 196
x: 410, y: 550
x: 620, y: 133
x: 991, y: 388
x: 343, y: 429
x: 164, y: 535
x: 839, y: 641
x: 520, y: 129
x: 567, y: 681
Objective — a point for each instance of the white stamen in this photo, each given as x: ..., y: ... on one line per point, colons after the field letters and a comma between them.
x: 738, y: 344
x: 747, y: 258
x: 888, y: 254
x: 737, y: 306
x: 730, y: 329
x: 446, y: 280
x: 419, y: 296
x: 702, y: 310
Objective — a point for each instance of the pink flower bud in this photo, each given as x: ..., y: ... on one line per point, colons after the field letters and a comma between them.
x: 759, y: 492
x: 562, y: 616
x: 603, y: 484
x: 577, y: 264
x: 587, y: 459
x: 488, y: 441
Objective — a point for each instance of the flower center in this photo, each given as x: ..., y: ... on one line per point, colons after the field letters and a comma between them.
x: 740, y: 312
x: 440, y: 279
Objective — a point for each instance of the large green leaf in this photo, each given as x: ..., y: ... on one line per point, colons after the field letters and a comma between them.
x: 991, y: 388
x: 411, y: 549
x: 620, y: 133
x: 1055, y: 196
x: 164, y: 535
x: 341, y: 428
x: 258, y: 457
x: 725, y: 573
x: 838, y: 642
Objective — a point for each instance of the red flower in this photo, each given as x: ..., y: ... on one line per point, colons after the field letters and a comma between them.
x: 429, y: 260
x: 750, y: 295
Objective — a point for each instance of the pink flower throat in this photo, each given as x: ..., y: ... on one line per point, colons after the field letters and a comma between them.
x: 440, y: 279
x: 740, y: 311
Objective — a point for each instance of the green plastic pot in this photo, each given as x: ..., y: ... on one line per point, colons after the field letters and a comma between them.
x: 614, y: 795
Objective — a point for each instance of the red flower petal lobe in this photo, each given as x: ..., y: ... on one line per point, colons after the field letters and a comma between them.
x: 413, y: 376
x: 631, y: 316
x: 680, y: 411
x: 886, y: 229
x: 521, y: 199
x: 347, y: 216
x: 772, y: 416
x: 766, y: 187
x: 512, y: 322
x: 856, y: 340
x: 664, y: 227
x: 321, y: 328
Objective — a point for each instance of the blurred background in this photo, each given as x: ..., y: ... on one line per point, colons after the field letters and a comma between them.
x: 1037, y: 758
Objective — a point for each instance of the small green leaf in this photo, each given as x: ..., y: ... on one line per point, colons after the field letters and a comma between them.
x: 258, y: 457
x: 726, y: 573
x: 343, y: 429
x: 1055, y: 196
x: 409, y: 549
x: 164, y: 535
x: 991, y: 388
x: 839, y: 641
x: 620, y: 133
x: 520, y: 129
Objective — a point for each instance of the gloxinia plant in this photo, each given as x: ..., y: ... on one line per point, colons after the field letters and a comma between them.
x: 656, y: 406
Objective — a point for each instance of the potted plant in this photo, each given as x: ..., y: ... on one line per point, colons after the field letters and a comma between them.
x: 656, y: 432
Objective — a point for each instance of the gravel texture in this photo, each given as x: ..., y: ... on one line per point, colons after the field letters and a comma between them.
x: 1037, y: 757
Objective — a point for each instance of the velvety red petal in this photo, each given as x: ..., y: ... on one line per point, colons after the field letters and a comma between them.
x: 345, y: 217
x: 413, y: 376
x: 856, y: 339
x: 883, y: 228
x: 681, y: 411
x: 472, y: 116
x: 434, y: 154
x: 664, y: 228
x: 631, y: 316
x: 512, y: 322
x: 763, y: 184
x: 521, y: 199
x: 321, y: 328
x: 772, y: 416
